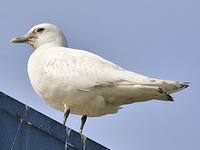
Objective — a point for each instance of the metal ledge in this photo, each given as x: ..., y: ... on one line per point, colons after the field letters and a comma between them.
x: 23, y: 128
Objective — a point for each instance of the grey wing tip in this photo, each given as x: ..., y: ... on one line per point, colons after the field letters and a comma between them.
x: 184, y: 85
x: 170, y: 98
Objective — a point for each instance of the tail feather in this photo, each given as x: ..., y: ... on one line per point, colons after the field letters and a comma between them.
x: 170, y: 86
x: 178, y: 87
x: 184, y: 85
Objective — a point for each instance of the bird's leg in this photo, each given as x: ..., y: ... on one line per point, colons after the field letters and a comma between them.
x: 66, y: 113
x: 83, y: 120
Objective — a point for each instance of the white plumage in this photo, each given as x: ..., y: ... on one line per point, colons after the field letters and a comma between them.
x: 84, y: 82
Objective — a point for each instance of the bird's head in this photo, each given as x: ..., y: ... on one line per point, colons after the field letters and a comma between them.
x: 42, y: 34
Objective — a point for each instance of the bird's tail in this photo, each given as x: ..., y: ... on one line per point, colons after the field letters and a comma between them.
x: 171, y: 86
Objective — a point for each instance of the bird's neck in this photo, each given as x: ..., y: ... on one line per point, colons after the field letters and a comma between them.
x: 49, y: 45
x: 52, y: 44
x: 59, y: 41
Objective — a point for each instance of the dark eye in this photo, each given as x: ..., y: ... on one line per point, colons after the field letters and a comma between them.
x: 40, y: 30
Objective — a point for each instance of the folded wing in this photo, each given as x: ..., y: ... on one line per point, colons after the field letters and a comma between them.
x: 85, y: 71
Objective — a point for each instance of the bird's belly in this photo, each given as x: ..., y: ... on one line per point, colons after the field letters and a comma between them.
x: 92, y: 103
x: 56, y: 95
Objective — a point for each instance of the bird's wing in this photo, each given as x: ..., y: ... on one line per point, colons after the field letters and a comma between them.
x: 83, y: 70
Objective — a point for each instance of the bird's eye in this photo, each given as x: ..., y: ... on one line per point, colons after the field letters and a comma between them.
x: 40, y: 30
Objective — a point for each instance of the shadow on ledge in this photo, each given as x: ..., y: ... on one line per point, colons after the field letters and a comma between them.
x: 23, y: 128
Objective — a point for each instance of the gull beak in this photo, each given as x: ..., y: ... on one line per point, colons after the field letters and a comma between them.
x: 23, y: 39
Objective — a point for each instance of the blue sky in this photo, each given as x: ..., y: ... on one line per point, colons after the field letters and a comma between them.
x: 157, y: 38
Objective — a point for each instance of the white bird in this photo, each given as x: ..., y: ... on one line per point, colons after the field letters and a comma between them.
x: 79, y: 82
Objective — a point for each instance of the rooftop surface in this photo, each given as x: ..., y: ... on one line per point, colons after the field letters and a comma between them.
x: 23, y: 128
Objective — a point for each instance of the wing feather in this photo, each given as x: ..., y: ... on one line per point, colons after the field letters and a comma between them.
x: 84, y: 70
